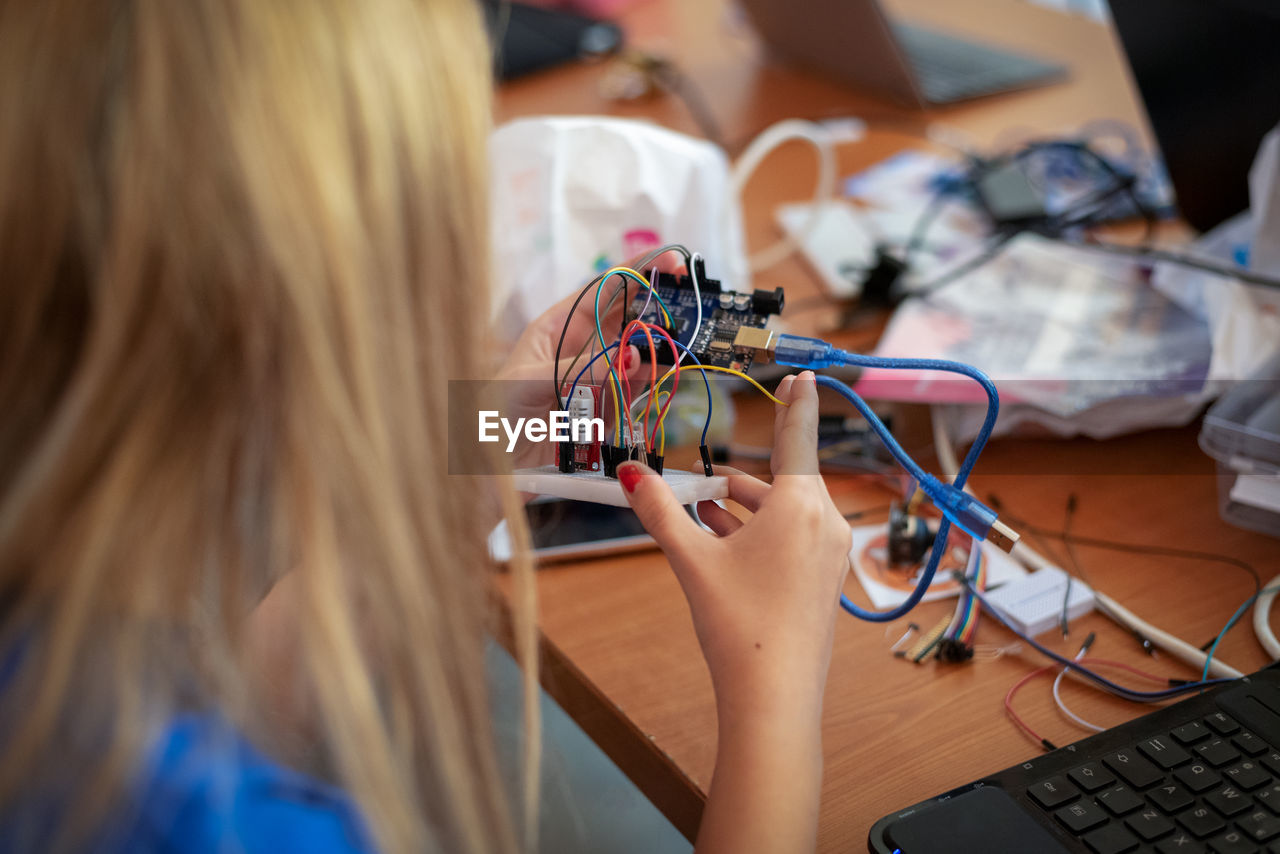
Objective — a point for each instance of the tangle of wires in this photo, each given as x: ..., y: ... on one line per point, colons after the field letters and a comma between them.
x: 638, y: 414
x: 1015, y: 188
x: 1060, y: 189
x: 957, y: 641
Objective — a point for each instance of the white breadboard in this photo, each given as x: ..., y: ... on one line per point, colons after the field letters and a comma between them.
x: 1034, y: 604
x: 689, y: 487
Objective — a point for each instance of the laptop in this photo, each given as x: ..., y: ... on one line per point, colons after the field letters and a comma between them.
x: 857, y: 43
x: 1209, y: 74
x: 1199, y: 776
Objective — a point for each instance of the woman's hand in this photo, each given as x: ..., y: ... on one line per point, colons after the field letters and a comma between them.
x: 764, y: 595
x: 532, y: 362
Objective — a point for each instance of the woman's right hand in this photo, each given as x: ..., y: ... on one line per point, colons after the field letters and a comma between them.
x: 764, y: 595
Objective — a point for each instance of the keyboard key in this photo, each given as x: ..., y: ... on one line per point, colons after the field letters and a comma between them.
x: 1220, y: 723
x: 1269, y: 797
x: 1091, y: 776
x: 1259, y: 825
x: 1234, y: 842
x: 1228, y: 800
x: 1191, y: 733
x: 1149, y: 823
x: 1250, y: 743
x: 1218, y: 752
x: 1133, y: 769
x: 1053, y: 792
x: 1180, y: 844
x: 1271, y: 759
x: 1119, y: 800
x: 1170, y: 797
x: 1197, y: 777
x: 1164, y: 752
x: 1247, y: 775
x: 1081, y: 816
x: 1111, y: 839
x: 1201, y: 821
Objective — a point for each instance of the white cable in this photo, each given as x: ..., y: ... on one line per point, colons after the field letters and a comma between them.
x: 697, y: 298
x: 1119, y: 614
x: 942, y: 446
x: 760, y: 148
x: 1126, y: 619
x: 1262, y: 619
x: 1062, y: 707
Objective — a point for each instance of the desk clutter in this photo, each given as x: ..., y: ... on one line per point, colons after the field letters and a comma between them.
x: 1005, y: 258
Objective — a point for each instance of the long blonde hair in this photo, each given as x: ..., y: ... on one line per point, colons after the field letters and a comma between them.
x: 242, y: 251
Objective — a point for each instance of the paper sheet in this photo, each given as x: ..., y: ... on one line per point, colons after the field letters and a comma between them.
x: 1058, y: 328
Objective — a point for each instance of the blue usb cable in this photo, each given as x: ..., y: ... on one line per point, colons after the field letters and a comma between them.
x: 957, y: 506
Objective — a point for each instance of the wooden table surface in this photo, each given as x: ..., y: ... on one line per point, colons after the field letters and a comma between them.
x: 620, y: 652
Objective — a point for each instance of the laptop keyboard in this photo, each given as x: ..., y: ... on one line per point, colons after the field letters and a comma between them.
x: 1208, y: 785
x: 949, y: 69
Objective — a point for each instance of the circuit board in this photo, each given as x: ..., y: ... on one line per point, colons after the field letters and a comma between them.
x: 723, y: 314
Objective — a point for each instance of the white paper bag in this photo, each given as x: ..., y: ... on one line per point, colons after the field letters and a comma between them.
x: 575, y: 195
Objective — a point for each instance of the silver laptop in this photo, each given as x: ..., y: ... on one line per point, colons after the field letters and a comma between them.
x: 855, y: 42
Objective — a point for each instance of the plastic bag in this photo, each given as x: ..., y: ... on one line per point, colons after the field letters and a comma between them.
x: 575, y: 195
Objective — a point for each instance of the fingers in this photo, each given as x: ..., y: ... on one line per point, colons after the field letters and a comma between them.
x: 571, y: 368
x: 743, y: 488
x: 667, y: 262
x: 795, y: 438
x: 660, y: 513
x: 717, y: 518
x: 783, y: 392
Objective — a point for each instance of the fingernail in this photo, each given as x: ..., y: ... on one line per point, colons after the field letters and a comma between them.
x: 629, y: 476
x: 628, y: 358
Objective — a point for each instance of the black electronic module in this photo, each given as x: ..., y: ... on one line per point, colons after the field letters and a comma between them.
x: 723, y: 314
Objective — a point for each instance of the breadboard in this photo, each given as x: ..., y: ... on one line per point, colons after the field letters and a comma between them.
x: 689, y: 487
x: 1034, y: 604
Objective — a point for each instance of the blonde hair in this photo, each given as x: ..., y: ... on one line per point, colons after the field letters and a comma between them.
x: 242, y: 251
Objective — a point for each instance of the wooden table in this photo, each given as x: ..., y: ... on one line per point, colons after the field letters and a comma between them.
x: 619, y: 649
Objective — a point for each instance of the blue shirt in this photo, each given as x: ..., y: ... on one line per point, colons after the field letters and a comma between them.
x: 205, y: 789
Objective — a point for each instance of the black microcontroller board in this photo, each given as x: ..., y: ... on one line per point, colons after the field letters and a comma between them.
x: 723, y: 314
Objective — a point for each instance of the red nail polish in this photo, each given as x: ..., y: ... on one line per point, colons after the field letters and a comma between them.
x: 629, y: 477
x: 628, y: 358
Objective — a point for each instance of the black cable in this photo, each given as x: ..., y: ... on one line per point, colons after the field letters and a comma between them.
x: 1151, y: 253
x: 867, y: 511
x: 915, y: 240
x: 986, y: 256
x: 1066, y: 539
x: 622, y: 327
x: 1026, y: 527
x: 555, y: 366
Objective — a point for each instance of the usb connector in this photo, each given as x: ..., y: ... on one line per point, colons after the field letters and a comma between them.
x: 970, y: 514
x: 759, y: 342
x: 794, y: 351
x: 1002, y: 536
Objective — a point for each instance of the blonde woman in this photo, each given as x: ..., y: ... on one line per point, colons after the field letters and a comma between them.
x: 242, y: 602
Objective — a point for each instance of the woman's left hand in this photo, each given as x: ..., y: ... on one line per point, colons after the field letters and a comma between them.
x: 531, y: 364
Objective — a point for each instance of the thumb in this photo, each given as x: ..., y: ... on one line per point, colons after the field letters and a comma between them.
x: 660, y: 512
